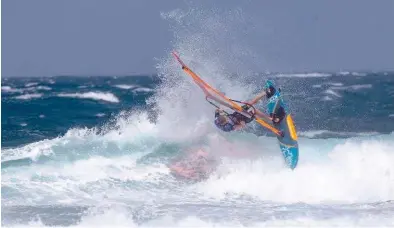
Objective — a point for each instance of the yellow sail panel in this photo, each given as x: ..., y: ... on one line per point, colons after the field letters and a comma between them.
x: 292, y: 130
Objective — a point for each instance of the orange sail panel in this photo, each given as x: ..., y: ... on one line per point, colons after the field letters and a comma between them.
x: 220, y: 97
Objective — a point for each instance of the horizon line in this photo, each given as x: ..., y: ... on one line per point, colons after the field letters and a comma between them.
x: 156, y: 74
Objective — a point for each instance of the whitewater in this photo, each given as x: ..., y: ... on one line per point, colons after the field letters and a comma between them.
x: 90, y: 152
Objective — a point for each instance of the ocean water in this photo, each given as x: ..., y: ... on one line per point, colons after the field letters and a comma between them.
x: 89, y: 151
x: 95, y: 151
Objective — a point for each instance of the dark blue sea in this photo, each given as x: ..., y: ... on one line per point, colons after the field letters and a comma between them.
x: 338, y: 105
x: 91, y: 151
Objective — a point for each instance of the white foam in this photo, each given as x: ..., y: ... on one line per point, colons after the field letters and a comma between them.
x: 303, y: 75
x: 9, y: 89
x: 61, y: 181
x: 124, y: 86
x: 329, y: 171
x: 32, y: 150
x: 142, y: 90
x: 43, y: 88
x: 359, y: 74
x: 128, y: 130
x: 35, y: 88
x: 391, y: 115
x: 29, y: 96
x: 100, y: 114
x: 132, y: 128
x: 109, y: 97
x: 31, y: 84
x: 118, y: 217
x: 328, y: 83
x: 347, y: 73
x: 72, y: 182
x: 327, y: 98
x: 352, y: 87
x: 334, y: 83
x: 344, y: 73
x: 314, y: 133
x: 348, y: 173
x: 331, y: 92
x: 41, y: 116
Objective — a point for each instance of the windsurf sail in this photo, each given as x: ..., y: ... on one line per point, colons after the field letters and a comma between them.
x: 220, y: 98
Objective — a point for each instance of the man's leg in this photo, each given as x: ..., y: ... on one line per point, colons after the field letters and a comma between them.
x: 279, y: 115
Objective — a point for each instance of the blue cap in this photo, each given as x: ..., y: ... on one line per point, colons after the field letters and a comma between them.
x: 269, y: 83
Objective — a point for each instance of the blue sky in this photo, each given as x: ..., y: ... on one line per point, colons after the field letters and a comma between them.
x: 123, y: 37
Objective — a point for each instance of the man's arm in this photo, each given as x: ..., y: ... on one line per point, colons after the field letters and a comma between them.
x: 257, y: 98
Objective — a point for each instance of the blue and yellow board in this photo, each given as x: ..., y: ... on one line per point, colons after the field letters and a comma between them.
x: 285, y: 131
x: 288, y: 143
